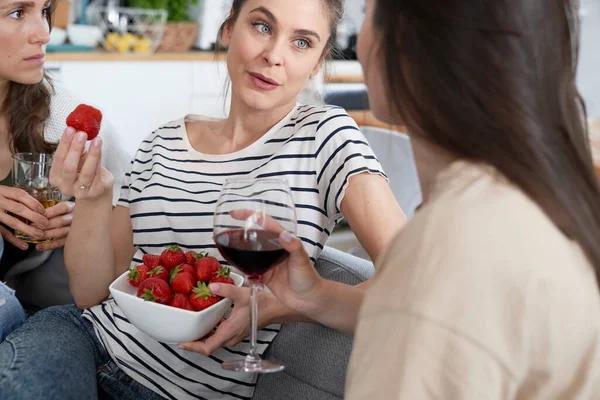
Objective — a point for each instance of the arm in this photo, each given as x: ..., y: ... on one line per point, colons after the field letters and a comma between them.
x: 372, y: 211
x: 92, y: 252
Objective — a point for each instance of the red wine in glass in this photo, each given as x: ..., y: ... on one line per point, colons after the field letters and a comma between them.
x: 253, y: 251
x: 250, y: 215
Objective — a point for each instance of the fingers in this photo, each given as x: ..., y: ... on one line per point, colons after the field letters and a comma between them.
x: 61, y: 209
x: 91, y: 164
x: 12, y: 239
x: 19, y: 225
x: 237, y: 294
x: 55, y: 244
x: 57, y: 233
x: 71, y: 161
x: 20, y: 198
x: 227, y: 334
x: 292, y: 244
x: 60, y: 154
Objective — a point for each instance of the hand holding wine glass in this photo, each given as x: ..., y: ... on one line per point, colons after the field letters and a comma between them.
x: 250, y: 215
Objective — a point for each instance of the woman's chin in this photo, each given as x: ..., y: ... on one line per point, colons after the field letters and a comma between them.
x: 29, y: 79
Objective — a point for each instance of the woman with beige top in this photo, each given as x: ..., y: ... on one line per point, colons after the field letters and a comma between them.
x: 491, y: 291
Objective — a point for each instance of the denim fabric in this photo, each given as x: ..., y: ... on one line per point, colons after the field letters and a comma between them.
x: 12, y: 314
x: 56, y: 355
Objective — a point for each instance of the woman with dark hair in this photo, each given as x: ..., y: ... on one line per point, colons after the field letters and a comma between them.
x: 32, y: 119
x: 491, y: 291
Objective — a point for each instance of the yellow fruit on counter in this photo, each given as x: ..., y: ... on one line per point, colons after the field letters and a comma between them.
x: 131, y: 38
x: 142, y: 45
x: 111, y: 40
x: 123, y: 44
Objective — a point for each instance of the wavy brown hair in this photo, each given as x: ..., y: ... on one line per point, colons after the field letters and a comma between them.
x: 27, y: 108
x: 494, y: 82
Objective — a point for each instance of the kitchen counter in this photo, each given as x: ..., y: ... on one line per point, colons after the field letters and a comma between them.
x: 108, y: 56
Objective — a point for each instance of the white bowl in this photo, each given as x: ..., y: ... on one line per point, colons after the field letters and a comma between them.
x: 57, y: 36
x: 165, y: 323
x: 84, y: 35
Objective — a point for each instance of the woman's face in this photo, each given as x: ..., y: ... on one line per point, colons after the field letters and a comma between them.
x: 24, y: 33
x: 372, y: 64
x: 275, y: 46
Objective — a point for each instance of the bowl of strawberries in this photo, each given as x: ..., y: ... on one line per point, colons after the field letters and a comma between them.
x: 167, y: 296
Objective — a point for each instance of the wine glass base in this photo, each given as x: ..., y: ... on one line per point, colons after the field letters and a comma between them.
x: 260, y: 366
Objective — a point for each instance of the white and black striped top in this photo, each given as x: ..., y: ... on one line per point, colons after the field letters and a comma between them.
x: 172, y: 191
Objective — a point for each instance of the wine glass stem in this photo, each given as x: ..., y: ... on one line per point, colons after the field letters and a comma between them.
x: 255, y: 287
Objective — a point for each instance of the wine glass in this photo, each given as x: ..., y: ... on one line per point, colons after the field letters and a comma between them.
x: 250, y: 215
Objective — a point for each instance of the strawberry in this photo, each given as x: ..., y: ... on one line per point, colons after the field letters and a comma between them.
x: 182, y: 268
x: 206, y: 268
x: 222, y: 276
x: 151, y: 260
x: 138, y: 274
x: 191, y: 257
x: 171, y: 257
x: 181, y: 301
x: 85, y: 118
x: 183, y: 283
x: 159, y: 272
x: 201, y: 298
x: 154, y: 289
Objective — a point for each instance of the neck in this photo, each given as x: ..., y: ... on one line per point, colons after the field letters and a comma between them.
x: 430, y: 161
x: 245, y: 125
x: 4, y: 84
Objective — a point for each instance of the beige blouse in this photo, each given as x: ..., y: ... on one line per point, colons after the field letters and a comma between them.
x: 479, y: 297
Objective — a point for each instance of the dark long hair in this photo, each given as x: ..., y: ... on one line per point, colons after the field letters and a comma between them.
x: 494, y: 82
x: 27, y: 108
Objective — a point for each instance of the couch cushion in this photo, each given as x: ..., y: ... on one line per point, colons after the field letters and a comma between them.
x: 315, y: 357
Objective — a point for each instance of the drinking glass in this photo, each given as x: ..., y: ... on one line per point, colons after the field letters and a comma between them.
x: 250, y: 215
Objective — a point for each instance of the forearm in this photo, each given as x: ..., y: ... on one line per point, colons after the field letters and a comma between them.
x: 334, y: 304
x: 89, y: 253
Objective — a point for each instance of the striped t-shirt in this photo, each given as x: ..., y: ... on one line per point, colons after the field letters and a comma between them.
x: 172, y: 190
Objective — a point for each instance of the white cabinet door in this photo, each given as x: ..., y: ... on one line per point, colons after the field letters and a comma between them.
x: 136, y: 97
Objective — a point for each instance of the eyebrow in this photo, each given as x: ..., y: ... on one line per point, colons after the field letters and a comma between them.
x: 24, y: 4
x: 273, y: 19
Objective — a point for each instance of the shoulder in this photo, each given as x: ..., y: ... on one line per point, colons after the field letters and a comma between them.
x: 168, y: 136
x: 318, y: 119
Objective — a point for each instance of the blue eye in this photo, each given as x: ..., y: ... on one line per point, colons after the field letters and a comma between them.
x: 16, y: 14
x: 262, y: 27
x: 303, y: 43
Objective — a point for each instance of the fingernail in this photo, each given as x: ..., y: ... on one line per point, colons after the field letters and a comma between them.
x: 24, y: 246
x: 69, y: 131
x: 70, y: 205
x: 287, y: 237
x: 81, y: 137
x: 39, y: 247
x: 182, y: 347
x: 39, y: 234
x: 68, y: 217
x: 97, y: 142
x: 214, y: 287
x: 41, y: 210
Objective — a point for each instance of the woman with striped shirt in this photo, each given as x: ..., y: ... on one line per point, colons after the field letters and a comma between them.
x: 168, y: 197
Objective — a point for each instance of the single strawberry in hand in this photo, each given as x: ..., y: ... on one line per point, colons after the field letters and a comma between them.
x: 138, y: 274
x: 87, y: 119
x: 181, y: 301
x: 156, y: 290
x: 202, y: 298
x: 183, y: 283
x: 191, y: 257
x: 159, y: 272
x: 222, y: 276
x: 206, y: 268
x: 151, y: 260
x: 171, y: 257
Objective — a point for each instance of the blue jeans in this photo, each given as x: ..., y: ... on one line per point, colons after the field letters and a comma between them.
x: 56, y: 355
x: 12, y: 314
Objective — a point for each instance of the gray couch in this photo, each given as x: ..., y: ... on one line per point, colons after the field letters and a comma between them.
x: 315, y: 357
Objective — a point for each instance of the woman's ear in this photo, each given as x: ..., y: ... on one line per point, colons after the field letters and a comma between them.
x: 227, y: 33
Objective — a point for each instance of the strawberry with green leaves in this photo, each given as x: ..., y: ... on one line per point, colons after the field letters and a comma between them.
x: 151, y: 260
x: 138, y: 274
x: 156, y: 290
x: 201, y: 297
x: 222, y: 276
x: 206, y: 268
x: 171, y: 257
x: 191, y: 257
x: 159, y: 272
x: 181, y: 301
